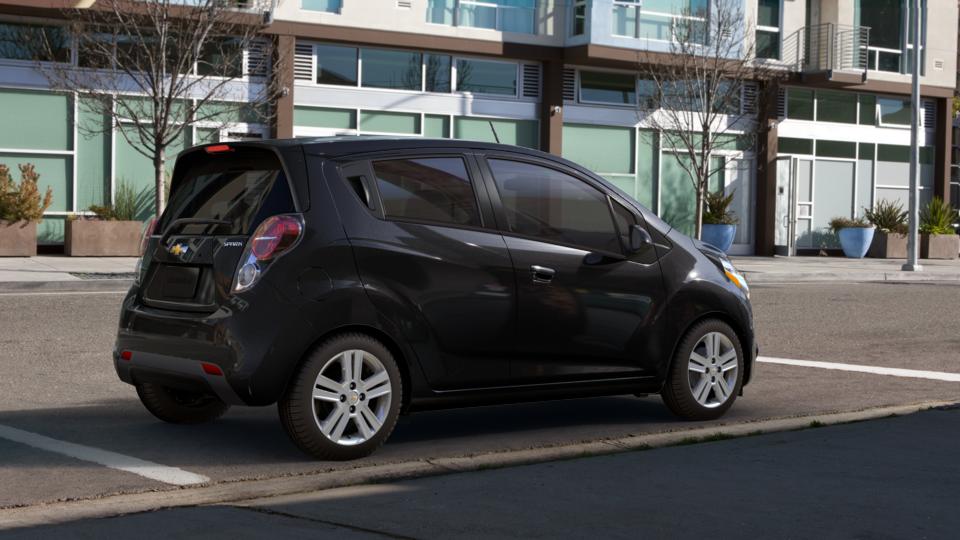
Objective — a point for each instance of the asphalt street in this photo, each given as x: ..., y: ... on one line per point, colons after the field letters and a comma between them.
x: 888, y: 478
x: 57, y: 381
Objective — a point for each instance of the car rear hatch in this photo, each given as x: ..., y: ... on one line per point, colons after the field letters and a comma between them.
x: 219, y: 195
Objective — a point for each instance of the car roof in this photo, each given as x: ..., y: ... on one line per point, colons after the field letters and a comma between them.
x: 353, y: 144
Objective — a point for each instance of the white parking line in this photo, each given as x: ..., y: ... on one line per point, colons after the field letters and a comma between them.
x: 147, y: 469
x: 876, y: 370
x: 60, y: 293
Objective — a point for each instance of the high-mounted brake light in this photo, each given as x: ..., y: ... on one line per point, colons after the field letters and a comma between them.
x: 274, y: 237
x: 218, y: 148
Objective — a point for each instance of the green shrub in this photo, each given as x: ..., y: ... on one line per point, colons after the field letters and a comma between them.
x: 124, y: 208
x: 888, y: 217
x: 838, y: 223
x: 22, y: 202
x: 715, y: 209
x: 938, y: 217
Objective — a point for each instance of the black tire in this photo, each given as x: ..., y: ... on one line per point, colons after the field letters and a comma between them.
x: 677, y: 393
x: 180, y: 407
x: 300, y: 413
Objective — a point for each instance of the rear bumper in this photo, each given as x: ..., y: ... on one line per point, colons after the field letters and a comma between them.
x: 254, y: 350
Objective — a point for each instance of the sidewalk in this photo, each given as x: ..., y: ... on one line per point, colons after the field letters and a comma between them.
x: 61, y: 273
x: 798, y: 269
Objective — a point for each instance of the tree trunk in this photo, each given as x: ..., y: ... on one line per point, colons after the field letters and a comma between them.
x: 159, y: 162
x: 698, y: 215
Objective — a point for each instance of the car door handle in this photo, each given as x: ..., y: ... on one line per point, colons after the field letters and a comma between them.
x: 542, y: 274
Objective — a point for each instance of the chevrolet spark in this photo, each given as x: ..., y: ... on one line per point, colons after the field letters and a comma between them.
x: 350, y: 280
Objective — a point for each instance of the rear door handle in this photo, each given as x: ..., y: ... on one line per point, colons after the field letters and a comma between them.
x: 542, y: 274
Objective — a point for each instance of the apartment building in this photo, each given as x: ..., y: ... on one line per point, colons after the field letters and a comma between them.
x: 562, y: 76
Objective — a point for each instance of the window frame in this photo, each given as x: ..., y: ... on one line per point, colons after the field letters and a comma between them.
x: 499, y: 210
x: 778, y: 30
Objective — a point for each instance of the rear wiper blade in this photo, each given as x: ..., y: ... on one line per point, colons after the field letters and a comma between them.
x: 191, y: 221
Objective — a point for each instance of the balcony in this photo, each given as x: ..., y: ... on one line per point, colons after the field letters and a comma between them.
x: 519, y: 16
x: 649, y: 25
x: 830, y: 53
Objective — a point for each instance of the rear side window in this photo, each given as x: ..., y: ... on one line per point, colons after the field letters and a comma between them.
x: 427, y: 189
x: 554, y: 206
x: 241, y: 188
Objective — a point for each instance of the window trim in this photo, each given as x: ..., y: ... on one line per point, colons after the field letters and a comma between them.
x: 498, y: 208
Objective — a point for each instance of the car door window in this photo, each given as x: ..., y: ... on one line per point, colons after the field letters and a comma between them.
x: 427, y: 189
x: 557, y: 207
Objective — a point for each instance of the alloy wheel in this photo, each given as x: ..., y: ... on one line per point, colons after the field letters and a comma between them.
x: 351, y: 397
x: 713, y: 370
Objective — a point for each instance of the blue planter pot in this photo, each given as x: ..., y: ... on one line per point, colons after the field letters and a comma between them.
x: 719, y: 236
x: 855, y: 241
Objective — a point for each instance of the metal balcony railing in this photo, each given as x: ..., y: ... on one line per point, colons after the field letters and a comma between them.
x: 829, y: 47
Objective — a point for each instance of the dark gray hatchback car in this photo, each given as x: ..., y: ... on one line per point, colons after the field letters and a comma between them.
x: 350, y: 280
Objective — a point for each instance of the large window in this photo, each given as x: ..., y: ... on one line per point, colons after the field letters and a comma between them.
x: 603, y: 87
x: 336, y: 65
x: 437, y: 71
x: 427, y: 189
x: 889, y: 47
x: 836, y: 107
x: 32, y: 42
x: 579, y: 17
x: 504, y: 15
x: 768, y: 29
x: 485, y: 77
x: 894, y: 111
x: 661, y: 20
x: 553, y: 206
x: 391, y: 69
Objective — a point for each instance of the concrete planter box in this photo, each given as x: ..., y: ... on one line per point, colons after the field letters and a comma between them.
x: 888, y: 246
x: 939, y: 246
x: 18, y: 238
x: 95, y: 238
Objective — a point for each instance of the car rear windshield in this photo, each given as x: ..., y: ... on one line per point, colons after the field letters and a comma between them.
x: 240, y: 189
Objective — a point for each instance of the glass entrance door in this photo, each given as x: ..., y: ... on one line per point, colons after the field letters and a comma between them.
x: 786, y: 207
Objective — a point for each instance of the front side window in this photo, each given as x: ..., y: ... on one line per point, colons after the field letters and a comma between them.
x: 554, y: 206
x: 484, y: 77
x: 618, y: 88
x: 391, y: 69
x: 427, y: 189
x: 336, y: 65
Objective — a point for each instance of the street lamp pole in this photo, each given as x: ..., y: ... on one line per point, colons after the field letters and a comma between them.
x: 913, y: 263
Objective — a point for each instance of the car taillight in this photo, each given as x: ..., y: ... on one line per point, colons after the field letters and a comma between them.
x: 148, y: 231
x: 274, y: 237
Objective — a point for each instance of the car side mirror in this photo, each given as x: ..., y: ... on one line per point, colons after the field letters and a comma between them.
x: 639, y: 238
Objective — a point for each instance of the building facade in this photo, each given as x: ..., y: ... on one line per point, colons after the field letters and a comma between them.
x: 562, y: 76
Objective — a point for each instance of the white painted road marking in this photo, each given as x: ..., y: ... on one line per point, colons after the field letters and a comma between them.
x: 147, y: 469
x: 876, y: 370
x: 60, y: 293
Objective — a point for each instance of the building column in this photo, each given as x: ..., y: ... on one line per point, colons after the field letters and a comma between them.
x: 943, y: 146
x: 551, y: 107
x: 767, y: 150
x: 282, y: 127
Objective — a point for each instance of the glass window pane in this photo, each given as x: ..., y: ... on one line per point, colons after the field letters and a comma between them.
x: 617, y: 88
x: 799, y: 104
x: 440, y: 11
x: 330, y: 6
x: 33, y: 42
x: 428, y: 189
x: 768, y: 13
x: 625, y: 20
x: 884, y: 18
x: 554, y: 206
x: 325, y: 118
x: 579, y: 18
x: 390, y: 122
x: 841, y: 149
x: 336, y: 65
x: 437, y: 72
x: 789, y: 145
x: 221, y: 58
x: 868, y: 109
x: 832, y: 197
x: 836, y: 107
x: 516, y: 132
x: 602, y: 149
x: 894, y: 111
x: 768, y: 44
x: 483, y: 77
x: 399, y: 70
x: 436, y: 126
x: 678, y: 198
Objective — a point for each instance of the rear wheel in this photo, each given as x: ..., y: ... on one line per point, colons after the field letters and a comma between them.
x: 344, y: 401
x: 180, y: 407
x: 706, y: 373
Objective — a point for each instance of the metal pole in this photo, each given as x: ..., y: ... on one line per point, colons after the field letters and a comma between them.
x: 913, y: 263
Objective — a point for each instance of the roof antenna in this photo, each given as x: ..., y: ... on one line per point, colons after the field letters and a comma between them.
x: 494, y: 130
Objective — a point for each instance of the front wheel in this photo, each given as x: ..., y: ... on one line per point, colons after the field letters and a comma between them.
x: 706, y: 373
x: 180, y: 407
x: 344, y: 401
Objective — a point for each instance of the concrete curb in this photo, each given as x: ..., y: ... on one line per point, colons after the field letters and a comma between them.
x: 760, y: 278
x: 73, y: 285
x: 248, y: 491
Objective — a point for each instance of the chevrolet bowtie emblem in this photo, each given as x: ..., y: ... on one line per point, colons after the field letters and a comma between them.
x: 179, y: 249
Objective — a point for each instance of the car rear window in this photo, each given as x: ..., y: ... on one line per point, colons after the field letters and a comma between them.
x: 241, y: 188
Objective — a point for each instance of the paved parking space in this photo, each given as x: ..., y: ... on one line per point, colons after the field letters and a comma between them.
x: 61, y: 385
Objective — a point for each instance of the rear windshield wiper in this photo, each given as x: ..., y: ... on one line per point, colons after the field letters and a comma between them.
x: 191, y: 221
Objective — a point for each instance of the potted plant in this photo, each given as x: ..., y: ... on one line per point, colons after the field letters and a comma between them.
x: 719, y: 224
x: 21, y: 208
x: 938, y: 238
x: 890, y: 239
x: 112, y: 231
x: 855, y: 235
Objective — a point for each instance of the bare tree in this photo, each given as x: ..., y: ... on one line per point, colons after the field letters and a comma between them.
x: 155, y: 68
x: 693, y: 95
